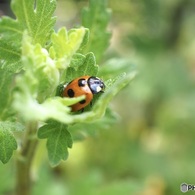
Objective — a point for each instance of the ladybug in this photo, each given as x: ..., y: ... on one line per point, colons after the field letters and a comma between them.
x: 85, y: 85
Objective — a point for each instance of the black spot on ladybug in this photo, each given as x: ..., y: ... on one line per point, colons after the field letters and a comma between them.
x: 70, y: 93
x: 82, y: 101
x: 81, y: 82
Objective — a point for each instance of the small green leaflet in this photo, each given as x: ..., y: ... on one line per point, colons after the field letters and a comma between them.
x: 7, y: 141
x: 65, y: 44
x: 96, y: 18
x: 82, y: 65
x: 7, y: 145
x: 58, y: 141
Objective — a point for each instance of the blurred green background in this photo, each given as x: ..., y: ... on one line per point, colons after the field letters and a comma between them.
x: 149, y: 150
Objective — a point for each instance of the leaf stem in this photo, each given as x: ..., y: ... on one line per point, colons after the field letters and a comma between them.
x: 24, y: 161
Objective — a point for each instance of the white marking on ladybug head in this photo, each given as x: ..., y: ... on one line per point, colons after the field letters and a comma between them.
x: 98, y: 89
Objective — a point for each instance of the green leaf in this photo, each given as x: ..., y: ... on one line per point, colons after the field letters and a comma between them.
x: 6, y: 83
x: 58, y: 141
x: 33, y: 16
x: 65, y: 44
x: 7, y: 141
x: 36, y: 17
x: 7, y: 145
x: 10, y: 44
x: 82, y: 65
x: 78, y: 60
x: 96, y: 19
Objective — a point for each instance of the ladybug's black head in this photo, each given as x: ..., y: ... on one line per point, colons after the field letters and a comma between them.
x: 96, y: 85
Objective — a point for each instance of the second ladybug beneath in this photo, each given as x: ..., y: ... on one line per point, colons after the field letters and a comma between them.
x: 85, y: 85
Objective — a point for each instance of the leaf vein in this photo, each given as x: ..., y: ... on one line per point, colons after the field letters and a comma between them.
x: 13, y: 29
x: 39, y: 24
x: 26, y: 17
x: 10, y: 51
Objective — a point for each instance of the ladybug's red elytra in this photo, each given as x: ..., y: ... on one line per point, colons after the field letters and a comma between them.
x: 85, y: 85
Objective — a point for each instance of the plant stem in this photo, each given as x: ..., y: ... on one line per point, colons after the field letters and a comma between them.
x: 23, y: 162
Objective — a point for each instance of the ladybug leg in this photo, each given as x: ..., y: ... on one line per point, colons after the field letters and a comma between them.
x: 82, y: 110
x: 91, y: 104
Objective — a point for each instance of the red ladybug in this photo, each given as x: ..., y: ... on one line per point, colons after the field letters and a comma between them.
x: 85, y: 85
